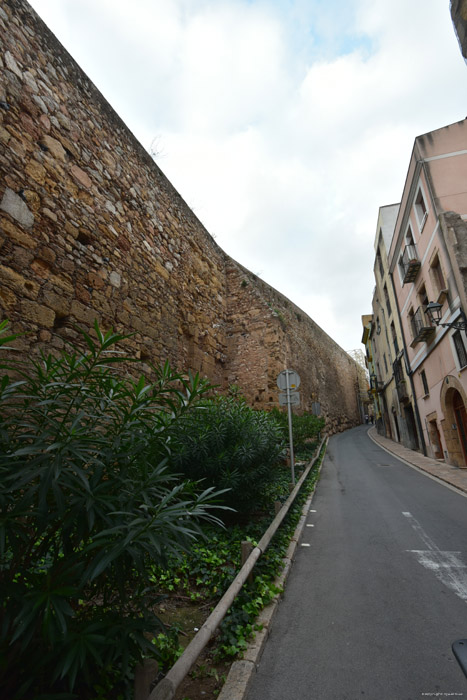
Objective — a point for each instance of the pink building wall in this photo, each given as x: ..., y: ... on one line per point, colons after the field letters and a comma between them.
x: 436, y: 183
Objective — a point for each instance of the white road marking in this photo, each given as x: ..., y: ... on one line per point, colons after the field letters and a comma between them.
x: 305, y: 544
x: 312, y: 511
x: 308, y: 525
x: 447, y: 567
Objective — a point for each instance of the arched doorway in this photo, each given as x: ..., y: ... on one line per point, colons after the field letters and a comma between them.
x: 454, y: 424
x: 461, y: 421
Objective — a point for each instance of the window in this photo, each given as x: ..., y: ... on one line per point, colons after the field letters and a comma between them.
x: 458, y: 341
x: 437, y: 276
x: 394, y: 338
x: 420, y: 210
x: 401, y: 266
x: 422, y: 297
x: 409, y: 236
x: 385, y: 363
x: 411, y: 320
x: 379, y: 262
x: 388, y: 303
x: 426, y: 389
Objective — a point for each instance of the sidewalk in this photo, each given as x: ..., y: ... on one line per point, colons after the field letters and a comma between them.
x: 440, y: 470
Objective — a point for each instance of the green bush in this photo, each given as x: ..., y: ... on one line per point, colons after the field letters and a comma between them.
x: 305, y: 429
x: 87, y: 502
x: 230, y: 446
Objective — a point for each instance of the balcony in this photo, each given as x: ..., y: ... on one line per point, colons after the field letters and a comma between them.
x: 410, y: 264
x: 422, y: 330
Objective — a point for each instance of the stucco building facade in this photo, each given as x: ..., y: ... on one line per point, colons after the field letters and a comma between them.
x: 391, y: 383
x: 427, y: 263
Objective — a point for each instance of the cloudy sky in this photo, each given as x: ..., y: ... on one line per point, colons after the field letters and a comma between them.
x: 284, y: 124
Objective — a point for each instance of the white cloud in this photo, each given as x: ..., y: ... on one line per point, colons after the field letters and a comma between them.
x: 285, y: 124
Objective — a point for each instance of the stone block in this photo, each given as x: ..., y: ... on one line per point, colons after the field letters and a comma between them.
x: 37, y: 313
x: 80, y: 176
x: 17, y: 208
x: 19, y: 284
x: 55, y: 148
x: 57, y: 302
x: 40, y: 268
x: 7, y: 299
x: 84, y: 314
x: 36, y: 171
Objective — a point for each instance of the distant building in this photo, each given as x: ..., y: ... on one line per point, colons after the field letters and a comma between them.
x: 395, y: 405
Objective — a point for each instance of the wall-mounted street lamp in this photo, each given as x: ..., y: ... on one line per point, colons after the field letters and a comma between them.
x: 433, y: 311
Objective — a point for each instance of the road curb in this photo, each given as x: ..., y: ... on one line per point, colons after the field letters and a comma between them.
x: 418, y: 467
x: 241, y: 672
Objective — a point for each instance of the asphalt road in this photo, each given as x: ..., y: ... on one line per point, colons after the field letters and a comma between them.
x: 375, y: 600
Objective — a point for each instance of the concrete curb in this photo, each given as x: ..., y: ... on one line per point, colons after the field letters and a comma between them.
x: 241, y: 672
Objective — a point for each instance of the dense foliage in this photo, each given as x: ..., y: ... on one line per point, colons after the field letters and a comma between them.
x: 205, y: 572
x: 306, y: 429
x: 230, y: 446
x: 86, y: 503
x: 105, y: 481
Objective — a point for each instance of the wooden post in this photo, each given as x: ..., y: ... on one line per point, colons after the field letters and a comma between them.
x: 145, y: 675
x: 247, y: 548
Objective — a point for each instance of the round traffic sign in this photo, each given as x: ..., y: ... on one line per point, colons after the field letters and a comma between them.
x: 290, y: 377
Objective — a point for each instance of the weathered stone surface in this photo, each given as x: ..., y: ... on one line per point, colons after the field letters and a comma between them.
x: 16, y: 207
x: 37, y: 314
x: 91, y: 229
x: 14, y: 280
x: 55, y: 147
x: 36, y: 171
x: 79, y: 175
x: 12, y: 65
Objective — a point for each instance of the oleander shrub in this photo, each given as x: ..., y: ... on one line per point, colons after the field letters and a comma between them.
x: 306, y: 429
x: 230, y: 446
x: 88, y: 504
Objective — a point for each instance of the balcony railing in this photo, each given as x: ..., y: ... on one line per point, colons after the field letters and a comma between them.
x: 422, y: 330
x: 410, y: 263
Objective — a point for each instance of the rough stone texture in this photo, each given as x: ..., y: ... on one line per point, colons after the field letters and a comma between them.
x: 17, y: 208
x: 92, y: 229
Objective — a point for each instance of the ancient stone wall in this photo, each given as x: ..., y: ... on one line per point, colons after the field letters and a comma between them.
x: 91, y: 228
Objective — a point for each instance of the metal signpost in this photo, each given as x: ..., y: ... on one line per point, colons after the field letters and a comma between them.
x: 289, y: 380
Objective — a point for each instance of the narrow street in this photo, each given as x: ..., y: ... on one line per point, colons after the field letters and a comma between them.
x: 378, y: 589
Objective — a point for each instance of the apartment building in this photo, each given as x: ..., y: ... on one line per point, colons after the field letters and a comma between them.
x: 427, y: 262
x: 391, y: 383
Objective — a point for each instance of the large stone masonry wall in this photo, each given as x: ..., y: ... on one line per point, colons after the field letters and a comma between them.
x: 91, y: 228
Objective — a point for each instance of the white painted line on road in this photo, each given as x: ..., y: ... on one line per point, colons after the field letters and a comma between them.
x: 308, y: 525
x: 312, y: 511
x: 447, y: 566
x: 305, y: 544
